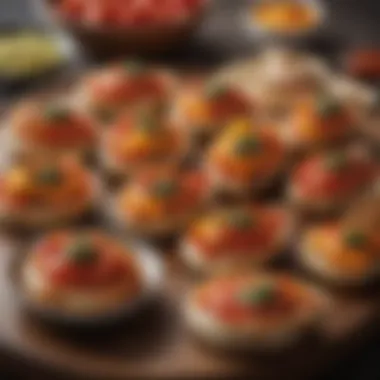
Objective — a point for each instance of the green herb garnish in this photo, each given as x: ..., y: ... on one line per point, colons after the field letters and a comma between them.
x: 134, y: 67
x: 240, y: 219
x: 50, y: 176
x: 258, y: 296
x: 165, y: 188
x: 56, y: 113
x: 105, y: 115
x: 214, y: 91
x: 149, y: 121
x: 355, y: 239
x: 247, y: 146
x: 82, y: 252
x: 328, y: 107
x: 336, y: 162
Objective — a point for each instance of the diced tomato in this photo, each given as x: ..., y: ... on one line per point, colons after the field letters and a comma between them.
x: 313, y: 178
x: 222, y: 298
x: 117, y: 88
x: 266, y: 225
x: 74, y: 133
x: 228, y: 105
x: 109, y: 266
x: 195, y: 182
x: 191, y: 189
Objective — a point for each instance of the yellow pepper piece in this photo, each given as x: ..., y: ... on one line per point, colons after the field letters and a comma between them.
x: 18, y: 180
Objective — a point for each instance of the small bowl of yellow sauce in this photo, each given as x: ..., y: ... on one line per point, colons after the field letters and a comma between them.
x: 26, y: 54
x: 286, y: 19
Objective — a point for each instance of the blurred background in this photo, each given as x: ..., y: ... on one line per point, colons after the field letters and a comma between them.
x: 218, y: 36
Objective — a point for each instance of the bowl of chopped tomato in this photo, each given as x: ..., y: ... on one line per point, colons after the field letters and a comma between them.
x: 115, y: 28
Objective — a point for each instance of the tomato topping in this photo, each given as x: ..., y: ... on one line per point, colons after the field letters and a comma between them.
x: 352, y: 251
x: 332, y: 175
x: 247, y: 156
x: 161, y: 193
x: 321, y: 119
x: 243, y: 299
x: 46, y: 185
x: 54, y: 126
x: 125, y: 85
x: 238, y: 231
x: 83, y: 261
x: 213, y: 106
x: 225, y: 103
x: 137, y: 140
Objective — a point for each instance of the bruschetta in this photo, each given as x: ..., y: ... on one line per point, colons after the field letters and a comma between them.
x: 340, y: 255
x: 52, y: 129
x: 253, y: 311
x: 39, y: 194
x: 237, y: 237
x: 245, y: 158
x: 81, y: 273
x: 161, y: 201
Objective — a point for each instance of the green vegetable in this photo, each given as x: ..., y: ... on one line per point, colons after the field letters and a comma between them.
x: 56, y: 113
x: 336, y: 162
x: 240, y: 219
x: 355, y: 239
x: 328, y: 107
x: 148, y: 121
x: 215, y: 91
x: 82, y: 252
x: 258, y: 296
x: 104, y: 115
x: 165, y: 189
x: 27, y: 53
x: 50, y: 176
x: 247, y: 146
x: 134, y: 67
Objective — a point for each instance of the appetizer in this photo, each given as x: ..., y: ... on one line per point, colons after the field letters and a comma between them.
x: 107, y: 92
x: 139, y: 139
x: 237, y: 237
x: 53, y: 128
x: 345, y: 256
x: 41, y: 193
x: 245, y: 311
x: 318, y: 121
x: 330, y: 181
x: 244, y: 158
x: 161, y: 201
x: 81, y: 274
x: 203, y: 111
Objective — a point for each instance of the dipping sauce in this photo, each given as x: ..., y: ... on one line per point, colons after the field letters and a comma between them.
x: 25, y: 54
x: 285, y: 16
